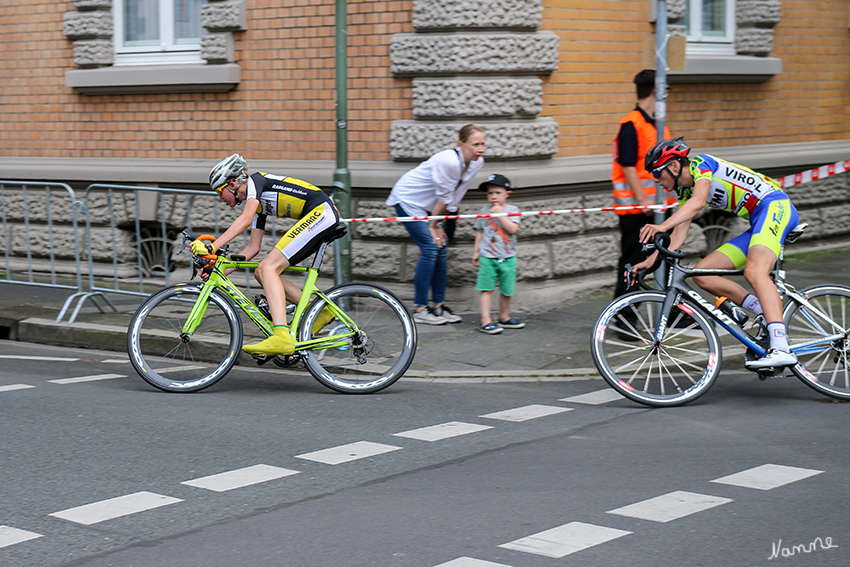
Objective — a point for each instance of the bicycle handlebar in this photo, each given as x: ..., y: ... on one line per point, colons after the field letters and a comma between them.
x: 659, y: 243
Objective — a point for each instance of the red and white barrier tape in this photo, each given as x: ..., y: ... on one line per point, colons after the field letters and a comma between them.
x: 787, y: 181
x: 814, y: 174
x: 496, y: 215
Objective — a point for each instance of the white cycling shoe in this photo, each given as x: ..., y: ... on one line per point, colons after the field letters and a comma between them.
x: 774, y: 358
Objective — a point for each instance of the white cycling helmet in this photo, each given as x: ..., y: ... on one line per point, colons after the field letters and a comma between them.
x: 234, y: 167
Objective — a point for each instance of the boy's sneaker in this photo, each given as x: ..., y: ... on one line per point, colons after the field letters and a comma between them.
x: 447, y: 314
x: 490, y: 328
x: 774, y: 358
x: 512, y: 324
x: 427, y: 317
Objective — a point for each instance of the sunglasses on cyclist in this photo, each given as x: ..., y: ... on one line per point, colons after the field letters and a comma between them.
x: 656, y: 173
x: 229, y: 188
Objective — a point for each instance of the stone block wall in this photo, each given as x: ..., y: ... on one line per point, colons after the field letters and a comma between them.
x: 554, y: 251
x: 453, y: 57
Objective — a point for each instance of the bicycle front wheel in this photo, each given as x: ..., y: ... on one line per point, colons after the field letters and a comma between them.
x: 377, y: 355
x: 677, y: 371
x: 170, y: 361
x: 823, y: 365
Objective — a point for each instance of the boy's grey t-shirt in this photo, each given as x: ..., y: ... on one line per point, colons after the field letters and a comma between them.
x: 496, y: 242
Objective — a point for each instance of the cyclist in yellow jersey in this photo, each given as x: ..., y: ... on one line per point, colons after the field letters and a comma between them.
x: 265, y: 194
x: 707, y: 181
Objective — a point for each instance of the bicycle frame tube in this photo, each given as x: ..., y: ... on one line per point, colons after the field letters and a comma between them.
x: 218, y: 280
x: 805, y: 305
x: 678, y: 287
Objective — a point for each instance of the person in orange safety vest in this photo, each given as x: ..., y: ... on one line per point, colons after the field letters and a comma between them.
x: 633, y: 185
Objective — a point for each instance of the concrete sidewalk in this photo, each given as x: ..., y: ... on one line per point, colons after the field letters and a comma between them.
x: 554, y: 344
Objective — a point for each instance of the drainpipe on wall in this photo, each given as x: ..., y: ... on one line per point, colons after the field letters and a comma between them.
x: 342, y: 177
x: 660, y: 106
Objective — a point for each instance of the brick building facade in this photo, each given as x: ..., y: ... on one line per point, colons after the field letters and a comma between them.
x: 548, y: 79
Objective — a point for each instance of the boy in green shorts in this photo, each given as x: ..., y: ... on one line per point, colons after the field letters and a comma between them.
x: 494, y: 254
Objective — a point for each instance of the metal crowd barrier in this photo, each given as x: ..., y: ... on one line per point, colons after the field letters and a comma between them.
x: 40, y: 224
x: 133, y: 234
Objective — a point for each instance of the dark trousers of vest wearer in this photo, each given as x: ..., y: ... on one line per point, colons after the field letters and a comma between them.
x: 631, y: 248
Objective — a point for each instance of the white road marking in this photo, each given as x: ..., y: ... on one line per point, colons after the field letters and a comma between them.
x: 115, y: 361
x: 115, y: 508
x: 672, y: 506
x: 526, y: 412
x: 179, y: 369
x: 595, y: 398
x: 11, y: 387
x: 238, y: 478
x: 767, y: 477
x: 87, y: 378
x: 11, y: 536
x: 565, y: 539
x: 443, y: 431
x: 48, y: 358
x: 470, y: 562
x: 350, y: 452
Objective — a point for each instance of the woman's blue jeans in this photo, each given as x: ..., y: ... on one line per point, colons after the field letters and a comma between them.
x: 433, y: 265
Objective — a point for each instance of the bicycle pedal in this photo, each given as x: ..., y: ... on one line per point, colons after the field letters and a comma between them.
x: 770, y: 373
x: 261, y: 358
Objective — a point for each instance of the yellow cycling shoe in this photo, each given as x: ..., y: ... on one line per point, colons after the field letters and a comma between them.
x: 325, y: 316
x: 280, y: 343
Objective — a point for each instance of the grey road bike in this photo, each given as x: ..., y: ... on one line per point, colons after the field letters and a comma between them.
x: 662, y: 348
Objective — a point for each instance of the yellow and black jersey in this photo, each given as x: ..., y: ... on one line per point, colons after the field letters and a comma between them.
x: 283, y: 197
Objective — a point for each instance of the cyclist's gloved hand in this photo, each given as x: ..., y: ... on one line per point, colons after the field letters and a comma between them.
x: 201, y: 248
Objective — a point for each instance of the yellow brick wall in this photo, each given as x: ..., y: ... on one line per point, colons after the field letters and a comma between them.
x: 284, y: 106
x: 282, y: 109
x: 601, y: 44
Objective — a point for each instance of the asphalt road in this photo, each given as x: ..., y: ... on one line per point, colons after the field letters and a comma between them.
x: 269, y: 468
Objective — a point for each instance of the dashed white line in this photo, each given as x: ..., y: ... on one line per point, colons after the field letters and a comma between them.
x: 595, y: 398
x: 346, y: 453
x: 565, y: 539
x: 238, y: 478
x: 87, y: 378
x: 12, y: 387
x: 11, y: 536
x: 48, y: 358
x: 115, y: 508
x: 179, y: 369
x: 443, y: 431
x: 470, y: 562
x: 669, y: 507
x: 525, y: 413
x: 767, y: 477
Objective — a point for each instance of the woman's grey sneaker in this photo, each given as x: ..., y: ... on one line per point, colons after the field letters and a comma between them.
x: 490, y: 329
x: 427, y: 317
x: 447, y: 314
x: 511, y: 324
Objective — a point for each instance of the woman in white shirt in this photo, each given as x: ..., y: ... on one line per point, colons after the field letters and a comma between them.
x: 435, y: 187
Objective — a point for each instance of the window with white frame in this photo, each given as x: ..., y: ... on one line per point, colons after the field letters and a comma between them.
x: 153, y: 32
x: 710, y: 26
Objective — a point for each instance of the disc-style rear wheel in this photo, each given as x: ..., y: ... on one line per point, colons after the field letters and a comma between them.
x: 821, y: 345
x: 677, y: 371
x: 173, y: 362
x: 373, y: 358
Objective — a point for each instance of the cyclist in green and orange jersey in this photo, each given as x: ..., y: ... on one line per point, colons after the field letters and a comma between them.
x: 707, y: 181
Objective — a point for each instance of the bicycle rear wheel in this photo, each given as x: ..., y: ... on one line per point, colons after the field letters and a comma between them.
x: 823, y: 366
x: 167, y: 360
x: 375, y: 357
x: 677, y: 371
